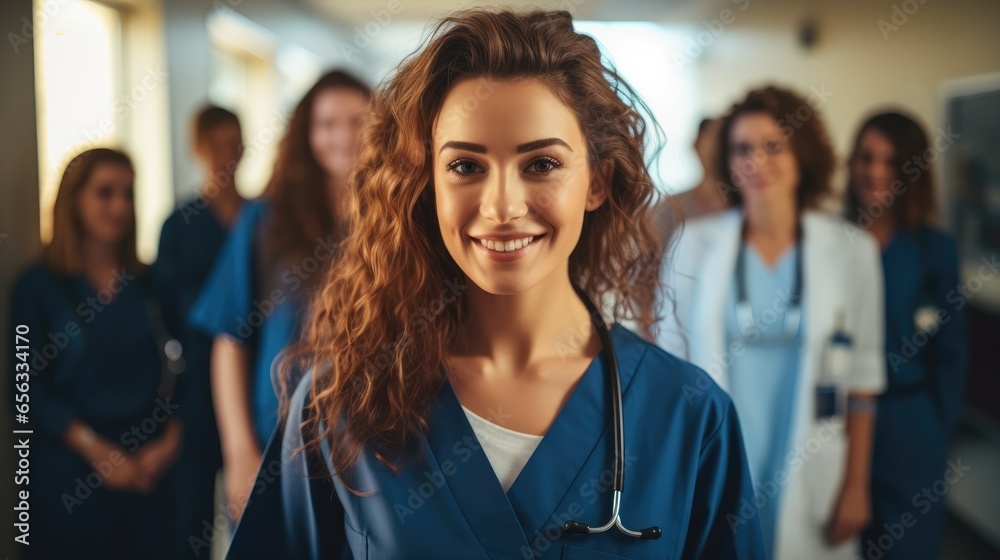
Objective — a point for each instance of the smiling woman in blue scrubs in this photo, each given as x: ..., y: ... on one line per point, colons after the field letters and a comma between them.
x: 253, y: 301
x: 104, y: 436
x: 892, y: 194
x: 459, y: 401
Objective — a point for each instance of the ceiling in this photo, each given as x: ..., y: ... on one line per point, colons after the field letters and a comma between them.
x: 355, y: 12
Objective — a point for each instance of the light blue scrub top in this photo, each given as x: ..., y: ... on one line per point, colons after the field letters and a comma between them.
x: 763, y: 378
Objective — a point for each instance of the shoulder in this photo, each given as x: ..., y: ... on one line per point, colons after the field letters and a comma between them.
x: 936, y: 240
x: 711, y: 224
x: 696, y: 235
x: 32, y: 279
x: 938, y: 249
x: 668, y: 384
x: 838, y: 233
x: 251, y: 215
x: 300, y: 397
x: 190, y: 210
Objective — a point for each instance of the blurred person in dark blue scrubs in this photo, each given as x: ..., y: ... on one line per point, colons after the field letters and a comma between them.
x: 458, y: 401
x: 277, y: 250
x: 891, y: 194
x: 105, y: 430
x: 190, y: 241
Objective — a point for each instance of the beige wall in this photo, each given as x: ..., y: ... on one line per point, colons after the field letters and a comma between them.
x: 864, y: 69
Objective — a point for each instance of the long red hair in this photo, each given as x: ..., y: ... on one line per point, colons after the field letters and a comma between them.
x: 379, y: 335
x: 297, y: 191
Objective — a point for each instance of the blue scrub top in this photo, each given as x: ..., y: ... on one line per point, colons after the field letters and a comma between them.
x: 90, y: 359
x: 763, y: 379
x: 230, y: 304
x: 190, y: 241
x: 926, y: 375
x: 685, y: 472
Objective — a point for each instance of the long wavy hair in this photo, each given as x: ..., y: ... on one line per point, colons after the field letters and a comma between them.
x: 917, y: 205
x: 379, y: 332
x: 64, y: 253
x: 297, y: 191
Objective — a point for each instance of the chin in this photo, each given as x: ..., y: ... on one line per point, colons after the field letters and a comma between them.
x: 501, y: 286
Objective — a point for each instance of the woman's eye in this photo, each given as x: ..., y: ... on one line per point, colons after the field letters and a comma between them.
x: 105, y: 192
x: 544, y: 165
x: 773, y: 147
x: 463, y: 167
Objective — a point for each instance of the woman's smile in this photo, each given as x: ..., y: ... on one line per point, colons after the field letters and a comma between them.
x: 507, y: 248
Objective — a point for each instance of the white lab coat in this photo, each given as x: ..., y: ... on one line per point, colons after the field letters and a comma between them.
x: 842, y: 272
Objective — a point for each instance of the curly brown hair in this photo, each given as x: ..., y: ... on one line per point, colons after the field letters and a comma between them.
x: 375, y: 351
x: 802, y: 126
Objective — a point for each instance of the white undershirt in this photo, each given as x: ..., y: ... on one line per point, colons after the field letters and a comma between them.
x: 508, y: 451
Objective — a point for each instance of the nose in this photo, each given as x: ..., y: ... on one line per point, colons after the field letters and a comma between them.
x: 504, y: 198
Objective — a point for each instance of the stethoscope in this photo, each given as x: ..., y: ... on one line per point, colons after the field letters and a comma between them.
x: 744, y: 313
x: 576, y: 527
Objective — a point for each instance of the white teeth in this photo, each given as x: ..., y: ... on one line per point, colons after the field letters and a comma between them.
x: 504, y: 246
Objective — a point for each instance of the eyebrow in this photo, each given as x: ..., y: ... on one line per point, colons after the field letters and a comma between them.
x: 527, y: 147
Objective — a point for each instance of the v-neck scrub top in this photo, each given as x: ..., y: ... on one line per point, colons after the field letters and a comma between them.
x: 506, y: 449
x: 764, y: 378
x: 685, y: 472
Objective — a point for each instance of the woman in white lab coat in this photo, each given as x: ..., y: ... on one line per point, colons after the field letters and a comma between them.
x: 782, y: 306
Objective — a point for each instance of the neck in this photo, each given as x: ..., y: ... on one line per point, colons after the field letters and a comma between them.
x: 883, y: 228
x: 772, y: 221
x: 710, y: 194
x: 336, y: 187
x: 99, y: 256
x: 514, y: 331
x: 220, y: 189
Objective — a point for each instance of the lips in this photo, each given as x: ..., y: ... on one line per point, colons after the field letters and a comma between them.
x: 500, y: 249
x: 503, y: 246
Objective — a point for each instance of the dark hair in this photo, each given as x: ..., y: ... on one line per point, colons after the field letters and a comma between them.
x: 64, y: 253
x: 703, y: 125
x: 802, y: 126
x: 374, y: 366
x: 917, y: 203
x: 300, y: 210
x: 209, y: 117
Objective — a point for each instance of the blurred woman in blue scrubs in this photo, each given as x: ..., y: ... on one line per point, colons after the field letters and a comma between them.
x: 459, y: 402
x: 105, y: 428
x: 190, y: 241
x: 278, y: 248
x: 782, y: 304
x: 891, y: 194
